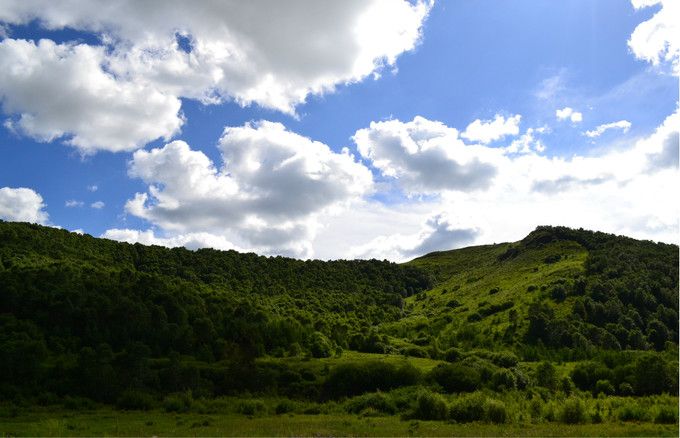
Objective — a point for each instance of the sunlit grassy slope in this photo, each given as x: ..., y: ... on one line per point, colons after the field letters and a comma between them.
x: 479, y: 289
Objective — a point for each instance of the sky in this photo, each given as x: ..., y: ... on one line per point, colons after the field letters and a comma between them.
x: 357, y: 129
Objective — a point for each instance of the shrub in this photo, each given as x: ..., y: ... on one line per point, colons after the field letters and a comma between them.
x: 178, y: 402
x: 505, y: 359
x: 604, y: 387
x: 284, y: 406
x: 666, y: 415
x: 573, y: 411
x: 496, y: 411
x: 320, y: 346
x: 626, y: 389
x: 376, y: 401
x: 77, y: 403
x: 503, y: 380
x: 632, y: 412
x: 251, y: 407
x: 546, y: 375
x: 456, y: 377
x: 452, y: 355
x: 354, y: 379
x: 430, y: 406
x: 566, y: 385
x: 132, y: 399
x: 468, y: 408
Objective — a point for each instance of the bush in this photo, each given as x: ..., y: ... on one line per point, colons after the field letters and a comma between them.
x: 632, y: 412
x: 468, y: 408
x: 284, y: 406
x: 320, y: 346
x: 354, y: 379
x: 573, y: 411
x: 666, y: 415
x: 496, y: 411
x: 132, y: 399
x: 604, y: 387
x: 178, y: 402
x: 251, y: 407
x: 503, y: 380
x: 376, y: 401
x: 452, y: 355
x: 430, y: 406
x: 546, y: 375
x: 626, y: 389
x: 456, y: 377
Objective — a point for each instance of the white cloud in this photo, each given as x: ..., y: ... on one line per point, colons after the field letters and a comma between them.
x: 624, y: 125
x: 425, y: 156
x: 266, y: 196
x: 657, y: 40
x: 98, y: 205
x: 126, y: 92
x: 569, y: 113
x: 437, y: 234
x: 22, y: 205
x: 620, y: 190
x: 486, y: 131
x: 71, y: 203
x: 92, y: 188
x: 190, y: 240
x: 64, y: 91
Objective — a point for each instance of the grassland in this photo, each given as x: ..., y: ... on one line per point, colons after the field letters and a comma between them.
x: 106, y: 422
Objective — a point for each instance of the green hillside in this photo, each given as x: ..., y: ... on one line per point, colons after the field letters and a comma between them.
x: 564, y: 326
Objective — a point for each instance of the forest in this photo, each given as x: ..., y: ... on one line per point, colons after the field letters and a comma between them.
x: 565, y: 327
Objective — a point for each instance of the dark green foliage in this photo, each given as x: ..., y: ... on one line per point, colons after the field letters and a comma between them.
x: 430, y: 406
x: 468, y: 408
x: 353, y: 379
x: 456, y: 377
x: 376, y: 401
x: 92, y: 317
x: 573, y: 411
x: 604, y: 387
x: 546, y: 376
x: 178, y: 402
x: 135, y: 400
x: 496, y: 411
x: 666, y: 415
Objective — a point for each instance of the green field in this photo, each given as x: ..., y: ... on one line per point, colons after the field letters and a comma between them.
x: 106, y: 422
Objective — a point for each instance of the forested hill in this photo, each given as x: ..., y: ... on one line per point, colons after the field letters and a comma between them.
x: 94, y: 317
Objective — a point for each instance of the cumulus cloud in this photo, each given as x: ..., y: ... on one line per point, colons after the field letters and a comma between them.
x: 126, y: 92
x: 425, y: 156
x: 569, y: 113
x: 92, y: 188
x: 657, y: 40
x: 266, y: 196
x: 437, y: 234
x: 486, y: 131
x: 190, y: 240
x: 662, y: 149
x: 22, y: 205
x: 98, y: 205
x: 63, y: 91
x: 623, y: 125
x: 620, y: 189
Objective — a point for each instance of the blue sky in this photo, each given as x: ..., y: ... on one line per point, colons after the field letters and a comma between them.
x: 399, y: 98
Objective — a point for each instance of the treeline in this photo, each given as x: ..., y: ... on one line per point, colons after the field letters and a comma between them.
x: 78, y: 312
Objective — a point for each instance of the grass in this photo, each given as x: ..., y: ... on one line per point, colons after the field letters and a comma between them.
x: 476, y: 279
x: 104, y: 422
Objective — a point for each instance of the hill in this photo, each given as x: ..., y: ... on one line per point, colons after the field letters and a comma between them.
x: 562, y: 312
